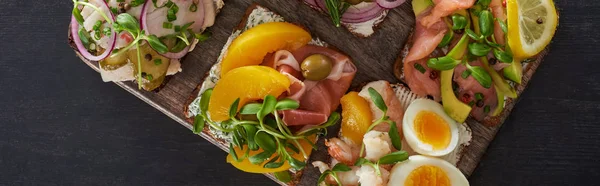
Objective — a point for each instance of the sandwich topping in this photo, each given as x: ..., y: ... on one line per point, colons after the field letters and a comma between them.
x: 385, y: 131
x: 269, y: 102
x: 460, y: 55
x: 359, y: 16
x: 139, y: 40
x: 318, y: 96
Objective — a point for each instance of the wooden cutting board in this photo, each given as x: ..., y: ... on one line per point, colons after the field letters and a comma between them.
x: 374, y: 57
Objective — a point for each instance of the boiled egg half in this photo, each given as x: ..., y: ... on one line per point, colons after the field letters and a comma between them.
x: 428, y: 130
x: 422, y: 170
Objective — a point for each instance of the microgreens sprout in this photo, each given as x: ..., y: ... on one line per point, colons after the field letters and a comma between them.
x: 267, y: 132
x: 340, y: 167
x: 126, y: 22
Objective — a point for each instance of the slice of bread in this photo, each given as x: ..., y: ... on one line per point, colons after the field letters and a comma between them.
x: 528, y: 69
x: 255, y: 15
x: 125, y: 73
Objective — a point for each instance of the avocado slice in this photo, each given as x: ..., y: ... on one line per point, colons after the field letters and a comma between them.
x: 456, y: 109
x: 514, y: 72
x: 500, y: 95
x: 420, y: 6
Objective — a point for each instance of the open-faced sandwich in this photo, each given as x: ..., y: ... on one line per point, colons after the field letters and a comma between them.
x: 471, y: 55
x: 391, y: 136
x: 139, y: 40
x: 273, y: 88
x: 360, y: 17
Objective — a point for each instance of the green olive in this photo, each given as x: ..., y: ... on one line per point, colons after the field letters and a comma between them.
x: 154, y: 66
x: 354, y: 2
x: 316, y: 67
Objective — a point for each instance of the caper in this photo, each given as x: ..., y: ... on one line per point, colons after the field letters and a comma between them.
x: 316, y: 67
x: 354, y: 2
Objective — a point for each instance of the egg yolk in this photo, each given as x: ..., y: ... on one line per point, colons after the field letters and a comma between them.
x: 427, y: 176
x: 432, y: 130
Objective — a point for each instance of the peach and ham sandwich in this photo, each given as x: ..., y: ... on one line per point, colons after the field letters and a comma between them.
x: 272, y: 90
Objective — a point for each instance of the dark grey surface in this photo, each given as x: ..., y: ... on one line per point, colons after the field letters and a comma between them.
x: 60, y: 125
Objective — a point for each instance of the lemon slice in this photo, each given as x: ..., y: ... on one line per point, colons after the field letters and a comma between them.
x: 531, y: 25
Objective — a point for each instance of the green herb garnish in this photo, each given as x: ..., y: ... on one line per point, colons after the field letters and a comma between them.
x: 480, y: 74
x: 443, y: 63
x: 135, y: 3
x: 458, y: 22
x: 126, y: 22
x: 478, y: 96
x: 336, y: 8
x: 420, y: 68
x: 193, y: 7
x: 447, y: 39
x: 340, y: 167
x: 172, y: 12
x: 267, y: 132
x: 167, y: 25
x: 479, y: 49
x: 465, y: 74
x: 157, y: 62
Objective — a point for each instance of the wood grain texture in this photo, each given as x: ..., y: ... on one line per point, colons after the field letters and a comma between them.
x: 367, y: 54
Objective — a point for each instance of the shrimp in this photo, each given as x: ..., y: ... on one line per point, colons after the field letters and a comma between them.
x: 368, y: 176
x: 346, y: 153
x: 377, y: 145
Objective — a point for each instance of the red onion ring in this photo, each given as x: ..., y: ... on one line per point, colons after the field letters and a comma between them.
x: 82, y: 50
x: 389, y: 4
x: 359, y: 15
x: 354, y: 14
x: 144, y: 26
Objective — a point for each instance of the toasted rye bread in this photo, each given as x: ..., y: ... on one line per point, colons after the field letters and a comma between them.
x: 528, y: 69
x: 298, y: 177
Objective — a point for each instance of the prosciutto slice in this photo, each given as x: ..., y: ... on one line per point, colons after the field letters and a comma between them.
x: 317, y: 98
x: 444, y: 8
x: 469, y: 87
